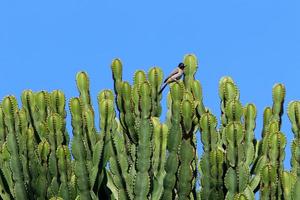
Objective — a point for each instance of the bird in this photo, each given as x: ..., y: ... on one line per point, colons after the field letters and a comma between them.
x: 174, y: 76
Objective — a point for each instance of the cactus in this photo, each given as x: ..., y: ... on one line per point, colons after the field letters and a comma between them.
x: 10, y: 109
x: 237, y: 136
x: 135, y: 155
x: 185, y: 107
x: 87, y: 146
x: 212, y: 161
x: 175, y: 135
x: 270, y: 164
x: 139, y: 142
x: 294, y: 176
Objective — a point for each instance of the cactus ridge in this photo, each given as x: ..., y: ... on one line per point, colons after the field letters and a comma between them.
x: 139, y: 77
x: 116, y: 67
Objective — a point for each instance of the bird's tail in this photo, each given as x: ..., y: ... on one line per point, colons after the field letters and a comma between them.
x: 163, y: 87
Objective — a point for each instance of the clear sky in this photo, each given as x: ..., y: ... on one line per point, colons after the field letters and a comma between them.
x: 43, y: 45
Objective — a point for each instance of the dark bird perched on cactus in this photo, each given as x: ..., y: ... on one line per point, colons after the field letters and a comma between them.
x: 174, y: 76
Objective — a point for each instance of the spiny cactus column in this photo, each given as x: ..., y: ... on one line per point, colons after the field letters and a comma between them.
x: 294, y: 116
x: 273, y: 144
x: 79, y: 151
x: 212, y: 160
x: 187, y: 152
x: 238, y: 141
x: 160, y: 136
x: 5, y: 175
x: 155, y: 78
x: 87, y: 145
x: 174, y: 140
x: 144, y: 148
x: 10, y: 109
x: 293, y: 188
x: 114, y: 150
x: 185, y: 107
x: 139, y: 144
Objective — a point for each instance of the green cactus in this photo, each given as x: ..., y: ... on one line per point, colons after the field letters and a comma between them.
x: 181, y: 165
x: 10, y: 109
x: 240, y: 146
x: 294, y: 176
x: 191, y: 63
x: 212, y: 160
x: 155, y: 77
x: 135, y: 155
x: 79, y: 151
x: 293, y: 113
x: 174, y: 139
x: 160, y: 136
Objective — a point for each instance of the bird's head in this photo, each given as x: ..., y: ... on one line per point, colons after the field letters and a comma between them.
x: 181, y: 66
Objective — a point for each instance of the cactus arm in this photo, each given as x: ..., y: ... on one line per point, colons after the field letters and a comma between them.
x: 10, y: 108
x: 138, y: 79
x: 28, y: 104
x: 108, y: 127
x: 41, y: 112
x: 160, y: 134
x: 155, y: 78
x: 78, y: 150
x: 275, y: 155
x: 5, y: 173
x: 173, y: 142
x: 288, y: 182
x: 296, y: 189
x: 237, y: 130
x: 5, y: 195
x: 66, y: 191
x: 127, y: 113
x: 212, y: 160
x: 198, y: 98
x: 294, y: 116
x: 117, y: 68
x: 266, y: 119
x: 43, y: 180
x: 3, y: 132
x: 228, y: 91
x: 144, y: 151
x: 21, y: 126
x: 186, y: 152
x: 54, y: 125
x: 57, y: 105
x: 106, y: 115
x: 249, y: 123
x: 191, y: 63
x: 185, y: 172
x: 82, y: 82
x: 278, y: 95
x: 120, y: 157
x: 56, y: 138
x: 83, y: 85
x: 273, y: 144
x: 5, y: 168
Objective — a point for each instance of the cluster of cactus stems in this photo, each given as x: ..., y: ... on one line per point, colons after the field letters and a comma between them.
x: 135, y: 155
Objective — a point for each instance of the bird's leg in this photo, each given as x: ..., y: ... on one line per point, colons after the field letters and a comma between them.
x: 174, y: 79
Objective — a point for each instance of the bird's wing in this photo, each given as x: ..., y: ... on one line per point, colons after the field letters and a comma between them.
x: 172, y: 73
x: 178, y: 75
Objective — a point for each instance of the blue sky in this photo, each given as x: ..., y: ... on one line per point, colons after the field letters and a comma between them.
x: 43, y: 45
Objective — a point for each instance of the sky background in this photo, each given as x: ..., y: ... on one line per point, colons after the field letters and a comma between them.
x: 43, y: 45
